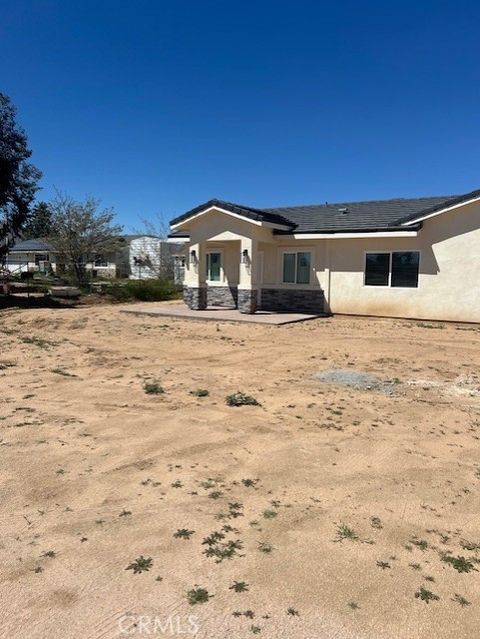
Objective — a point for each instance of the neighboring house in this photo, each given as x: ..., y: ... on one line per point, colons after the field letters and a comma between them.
x: 142, y: 257
x: 30, y: 255
x: 414, y: 258
x: 152, y: 257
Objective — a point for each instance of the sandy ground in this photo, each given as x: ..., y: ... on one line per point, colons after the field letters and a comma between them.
x: 338, y: 508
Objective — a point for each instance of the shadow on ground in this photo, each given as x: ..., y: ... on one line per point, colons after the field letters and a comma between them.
x: 17, y: 301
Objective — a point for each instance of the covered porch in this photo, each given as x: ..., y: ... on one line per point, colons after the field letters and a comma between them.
x: 225, y: 274
x: 240, y: 262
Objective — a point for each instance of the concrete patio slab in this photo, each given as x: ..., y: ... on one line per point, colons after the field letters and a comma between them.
x: 217, y: 314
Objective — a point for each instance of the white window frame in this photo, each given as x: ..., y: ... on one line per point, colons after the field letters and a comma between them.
x: 222, y: 271
x: 389, y: 285
x: 296, y: 251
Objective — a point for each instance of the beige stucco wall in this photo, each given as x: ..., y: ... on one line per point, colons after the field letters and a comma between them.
x: 449, y: 274
x: 449, y: 278
x: 218, y: 231
x: 273, y: 262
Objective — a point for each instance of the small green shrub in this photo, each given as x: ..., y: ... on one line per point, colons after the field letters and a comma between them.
x: 198, y: 595
x: 459, y: 563
x: 426, y: 595
x: 241, y: 399
x: 269, y: 514
x: 183, y: 533
x: 461, y: 600
x: 141, y: 564
x: 152, y: 388
x: 239, y: 586
x: 420, y: 543
x: 345, y: 532
x: 154, y: 290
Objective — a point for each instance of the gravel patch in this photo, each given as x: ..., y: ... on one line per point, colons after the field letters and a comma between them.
x: 356, y: 379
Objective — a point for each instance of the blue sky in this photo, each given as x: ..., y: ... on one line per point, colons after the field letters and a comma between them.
x: 157, y: 106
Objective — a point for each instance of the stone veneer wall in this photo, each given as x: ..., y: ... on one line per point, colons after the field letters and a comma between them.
x: 289, y: 299
x: 222, y: 296
x: 247, y: 300
x: 273, y: 299
x: 195, y: 298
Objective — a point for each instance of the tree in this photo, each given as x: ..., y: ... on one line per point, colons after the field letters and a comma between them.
x: 39, y: 223
x: 18, y: 178
x: 82, y: 233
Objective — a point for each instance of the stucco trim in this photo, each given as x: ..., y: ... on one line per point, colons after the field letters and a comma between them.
x: 346, y: 236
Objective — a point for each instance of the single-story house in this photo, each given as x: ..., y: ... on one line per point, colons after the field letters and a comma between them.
x: 412, y: 258
x: 140, y: 257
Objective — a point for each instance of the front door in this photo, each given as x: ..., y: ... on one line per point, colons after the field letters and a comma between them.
x: 259, y: 278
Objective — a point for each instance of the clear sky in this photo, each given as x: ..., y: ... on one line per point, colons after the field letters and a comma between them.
x: 157, y: 106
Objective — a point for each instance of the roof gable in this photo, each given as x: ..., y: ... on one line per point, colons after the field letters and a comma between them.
x: 246, y: 212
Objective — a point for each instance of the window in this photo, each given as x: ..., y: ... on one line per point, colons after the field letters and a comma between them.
x: 405, y: 269
x: 377, y: 269
x: 296, y: 268
x: 213, y: 267
x: 100, y: 261
x: 41, y: 257
x: 396, y: 269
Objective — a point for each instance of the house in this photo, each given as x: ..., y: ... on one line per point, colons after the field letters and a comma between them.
x: 29, y: 255
x: 151, y: 257
x: 413, y: 258
x: 140, y: 257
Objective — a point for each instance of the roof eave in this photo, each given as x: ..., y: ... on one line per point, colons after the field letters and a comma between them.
x: 387, y: 231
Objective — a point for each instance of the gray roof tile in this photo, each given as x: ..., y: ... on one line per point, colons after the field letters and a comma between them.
x: 37, y: 244
x: 354, y: 216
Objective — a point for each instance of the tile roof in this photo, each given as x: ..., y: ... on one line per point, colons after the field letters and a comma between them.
x: 372, y: 215
x: 355, y: 216
x: 37, y: 244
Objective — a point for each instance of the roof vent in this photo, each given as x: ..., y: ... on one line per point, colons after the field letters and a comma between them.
x: 343, y: 211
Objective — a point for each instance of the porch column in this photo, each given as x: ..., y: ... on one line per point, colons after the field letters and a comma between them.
x: 194, y: 289
x: 247, y: 294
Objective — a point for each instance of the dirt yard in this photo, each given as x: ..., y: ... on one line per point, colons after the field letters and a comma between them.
x: 324, y: 512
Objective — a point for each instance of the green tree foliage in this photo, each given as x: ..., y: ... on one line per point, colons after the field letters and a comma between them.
x: 82, y: 233
x: 18, y: 178
x: 39, y: 223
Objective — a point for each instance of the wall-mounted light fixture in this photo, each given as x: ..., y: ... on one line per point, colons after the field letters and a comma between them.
x: 193, y: 256
x: 245, y: 258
